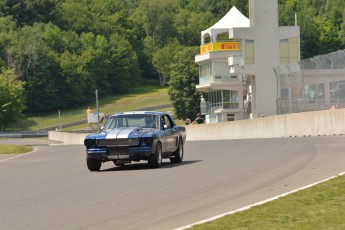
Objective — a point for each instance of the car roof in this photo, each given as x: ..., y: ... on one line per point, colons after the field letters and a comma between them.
x: 140, y: 112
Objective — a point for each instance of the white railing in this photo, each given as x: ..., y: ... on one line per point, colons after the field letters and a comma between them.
x: 218, y: 78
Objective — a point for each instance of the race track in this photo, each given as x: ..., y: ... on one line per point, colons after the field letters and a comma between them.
x: 51, y: 188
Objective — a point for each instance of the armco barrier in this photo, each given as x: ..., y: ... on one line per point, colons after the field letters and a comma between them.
x: 317, y: 123
x: 23, y: 134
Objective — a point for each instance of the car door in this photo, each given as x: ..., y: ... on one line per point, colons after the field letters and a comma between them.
x: 163, y: 135
x: 170, y: 134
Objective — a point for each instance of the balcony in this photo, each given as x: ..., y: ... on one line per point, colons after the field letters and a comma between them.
x: 224, y: 107
x: 208, y: 82
x: 218, y: 79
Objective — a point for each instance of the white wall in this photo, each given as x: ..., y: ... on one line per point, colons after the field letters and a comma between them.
x: 67, y: 137
x: 317, y: 123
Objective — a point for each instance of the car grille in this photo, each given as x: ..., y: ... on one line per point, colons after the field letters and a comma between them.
x: 118, y: 142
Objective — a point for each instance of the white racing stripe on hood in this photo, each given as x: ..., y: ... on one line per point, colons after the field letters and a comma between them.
x: 119, y: 133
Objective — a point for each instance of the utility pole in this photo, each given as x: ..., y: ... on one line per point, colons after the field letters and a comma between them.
x: 59, y: 119
x: 97, y: 110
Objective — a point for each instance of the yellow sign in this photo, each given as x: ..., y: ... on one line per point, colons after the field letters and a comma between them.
x: 219, y: 46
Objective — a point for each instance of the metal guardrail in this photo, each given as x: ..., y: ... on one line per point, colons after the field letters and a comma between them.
x: 23, y: 134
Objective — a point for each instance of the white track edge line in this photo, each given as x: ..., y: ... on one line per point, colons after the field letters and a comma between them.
x: 258, y: 203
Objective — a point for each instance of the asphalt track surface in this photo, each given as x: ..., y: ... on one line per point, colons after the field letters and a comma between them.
x: 51, y: 188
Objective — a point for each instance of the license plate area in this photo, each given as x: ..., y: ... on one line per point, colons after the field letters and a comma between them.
x: 118, y: 153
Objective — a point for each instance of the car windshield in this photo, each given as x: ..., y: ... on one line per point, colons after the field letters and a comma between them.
x: 132, y: 120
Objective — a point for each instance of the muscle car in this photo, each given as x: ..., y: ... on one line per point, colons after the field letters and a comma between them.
x: 135, y: 136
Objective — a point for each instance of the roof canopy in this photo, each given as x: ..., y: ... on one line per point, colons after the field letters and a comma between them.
x: 233, y: 19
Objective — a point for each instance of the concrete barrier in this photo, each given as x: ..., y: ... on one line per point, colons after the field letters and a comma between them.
x: 317, y: 123
x: 67, y: 137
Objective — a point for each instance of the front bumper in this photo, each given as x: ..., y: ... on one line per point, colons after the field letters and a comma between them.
x: 119, y: 153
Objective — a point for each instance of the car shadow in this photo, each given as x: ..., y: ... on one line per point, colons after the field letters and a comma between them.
x: 145, y: 166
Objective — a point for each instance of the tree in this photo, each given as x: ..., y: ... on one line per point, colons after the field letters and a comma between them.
x: 125, y: 71
x: 69, y: 48
x: 218, y: 8
x: 320, y: 23
x: 76, y: 79
x: 101, y: 17
x: 183, y: 79
x: 145, y: 58
x: 156, y: 18
x: 163, y: 58
x: 12, y: 99
x: 27, y: 12
x: 310, y: 33
x: 329, y: 38
x: 31, y: 58
x: 188, y: 25
x: 75, y: 15
x: 7, y: 25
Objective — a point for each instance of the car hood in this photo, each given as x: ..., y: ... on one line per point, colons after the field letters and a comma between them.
x: 122, y: 133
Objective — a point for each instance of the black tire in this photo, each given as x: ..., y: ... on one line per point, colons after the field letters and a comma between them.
x: 93, y: 164
x: 178, y: 154
x: 155, y: 160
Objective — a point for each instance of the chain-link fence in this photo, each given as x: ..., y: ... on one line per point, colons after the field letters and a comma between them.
x: 316, y: 83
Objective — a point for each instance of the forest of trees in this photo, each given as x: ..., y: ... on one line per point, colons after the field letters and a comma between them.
x: 61, y: 51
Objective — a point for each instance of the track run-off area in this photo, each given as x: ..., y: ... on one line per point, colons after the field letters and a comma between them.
x: 51, y: 188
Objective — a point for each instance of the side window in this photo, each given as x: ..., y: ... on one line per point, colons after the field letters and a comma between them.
x: 167, y: 122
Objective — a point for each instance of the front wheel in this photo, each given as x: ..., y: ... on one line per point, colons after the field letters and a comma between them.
x: 178, y: 154
x: 155, y: 160
x: 93, y: 164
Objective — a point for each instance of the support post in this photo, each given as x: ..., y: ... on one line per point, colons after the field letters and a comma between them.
x: 97, y: 110
x: 59, y: 120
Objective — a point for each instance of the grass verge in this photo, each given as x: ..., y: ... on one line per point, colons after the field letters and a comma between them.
x: 319, y: 207
x: 84, y: 126
x: 142, y: 97
x: 12, y: 149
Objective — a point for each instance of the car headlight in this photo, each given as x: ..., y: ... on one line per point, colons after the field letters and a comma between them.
x: 148, y: 141
x: 88, y: 143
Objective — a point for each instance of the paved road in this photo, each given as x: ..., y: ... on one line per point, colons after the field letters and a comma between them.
x: 51, y: 188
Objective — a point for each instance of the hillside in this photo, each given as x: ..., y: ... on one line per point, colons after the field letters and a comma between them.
x: 143, y: 97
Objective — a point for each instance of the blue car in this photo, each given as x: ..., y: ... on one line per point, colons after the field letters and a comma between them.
x: 135, y: 136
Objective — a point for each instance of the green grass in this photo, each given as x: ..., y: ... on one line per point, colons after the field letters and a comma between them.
x: 10, y: 149
x: 83, y: 126
x: 143, y: 97
x: 318, y: 207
